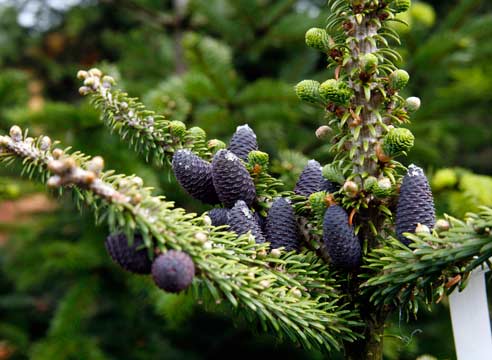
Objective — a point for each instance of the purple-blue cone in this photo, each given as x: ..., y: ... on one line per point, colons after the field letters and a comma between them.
x: 415, y: 204
x: 243, y: 141
x: 132, y: 258
x: 339, y: 238
x: 195, y: 176
x: 281, y: 226
x: 241, y: 220
x: 231, y: 179
x: 311, y: 179
x: 173, y: 271
x: 219, y: 216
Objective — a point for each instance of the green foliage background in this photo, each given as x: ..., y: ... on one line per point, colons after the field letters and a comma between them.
x: 218, y: 64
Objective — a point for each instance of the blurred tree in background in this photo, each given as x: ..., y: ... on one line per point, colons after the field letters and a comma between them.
x: 216, y: 64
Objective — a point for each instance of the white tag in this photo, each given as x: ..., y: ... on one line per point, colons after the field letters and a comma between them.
x: 471, y: 320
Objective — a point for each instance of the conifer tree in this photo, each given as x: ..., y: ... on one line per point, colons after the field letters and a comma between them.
x: 369, y: 242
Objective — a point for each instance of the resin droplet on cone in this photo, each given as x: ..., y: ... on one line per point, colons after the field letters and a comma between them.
x: 173, y: 271
x: 195, y: 176
x: 415, y: 204
x: 129, y: 257
x: 340, y: 240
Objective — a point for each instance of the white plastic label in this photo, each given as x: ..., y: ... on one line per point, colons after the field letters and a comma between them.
x: 471, y: 320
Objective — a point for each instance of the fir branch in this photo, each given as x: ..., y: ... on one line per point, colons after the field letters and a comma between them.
x: 292, y: 294
x: 147, y: 132
x: 434, y: 264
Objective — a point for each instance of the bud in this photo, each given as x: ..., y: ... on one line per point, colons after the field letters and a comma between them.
x: 108, y: 81
x: 412, y: 104
x: 216, y: 145
x: 4, y: 140
x: 197, y: 134
x: 422, y: 229
x: 369, y: 63
x: 335, y: 91
x: 90, y: 81
x: 382, y: 188
x: 95, y: 72
x: 89, y: 177
x: 323, y: 131
x: 318, y: 39
x: 351, y: 188
x: 370, y: 183
x: 257, y: 157
x: 177, y: 128
x: 201, y: 237
x: 54, y: 181
x: 308, y: 91
x: 397, y: 141
x: 399, y: 79
x: 96, y: 164
x: 57, y: 153
x: 45, y: 143
x: 82, y: 74
x: 15, y: 133
x: 276, y: 253
x: 442, y: 225
x: 84, y: 90
x: 56, y: 166
x: 265, y: 284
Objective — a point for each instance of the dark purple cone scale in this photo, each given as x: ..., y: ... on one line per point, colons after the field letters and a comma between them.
x: 231, y: 179
x: 128, y: 257
x: 311, y: 179
x: 243, y: 141
x: 241, y: 220
x: 281, y: 226
x: 219, y: 216
x: 195, y: 176
x: 173, y: 271
x: 415, y: 205
x: 340, y: 240
x: 330, y: 187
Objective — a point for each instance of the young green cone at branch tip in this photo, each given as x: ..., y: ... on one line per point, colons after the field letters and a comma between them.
x: 308, y: 91
x: 398, y: 141
x: 318, y: 39
x: 415, y: 204
x: 173, y: 271
x: 399, y: 79
x: 336, y: 91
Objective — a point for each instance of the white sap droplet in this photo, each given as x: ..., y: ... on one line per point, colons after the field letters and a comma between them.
x: 414, y: 170
x: 230, y: 156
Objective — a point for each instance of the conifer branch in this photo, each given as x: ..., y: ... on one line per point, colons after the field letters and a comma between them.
x: 293, y: 294
x: 147, y: 132
x: 433, y: 266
